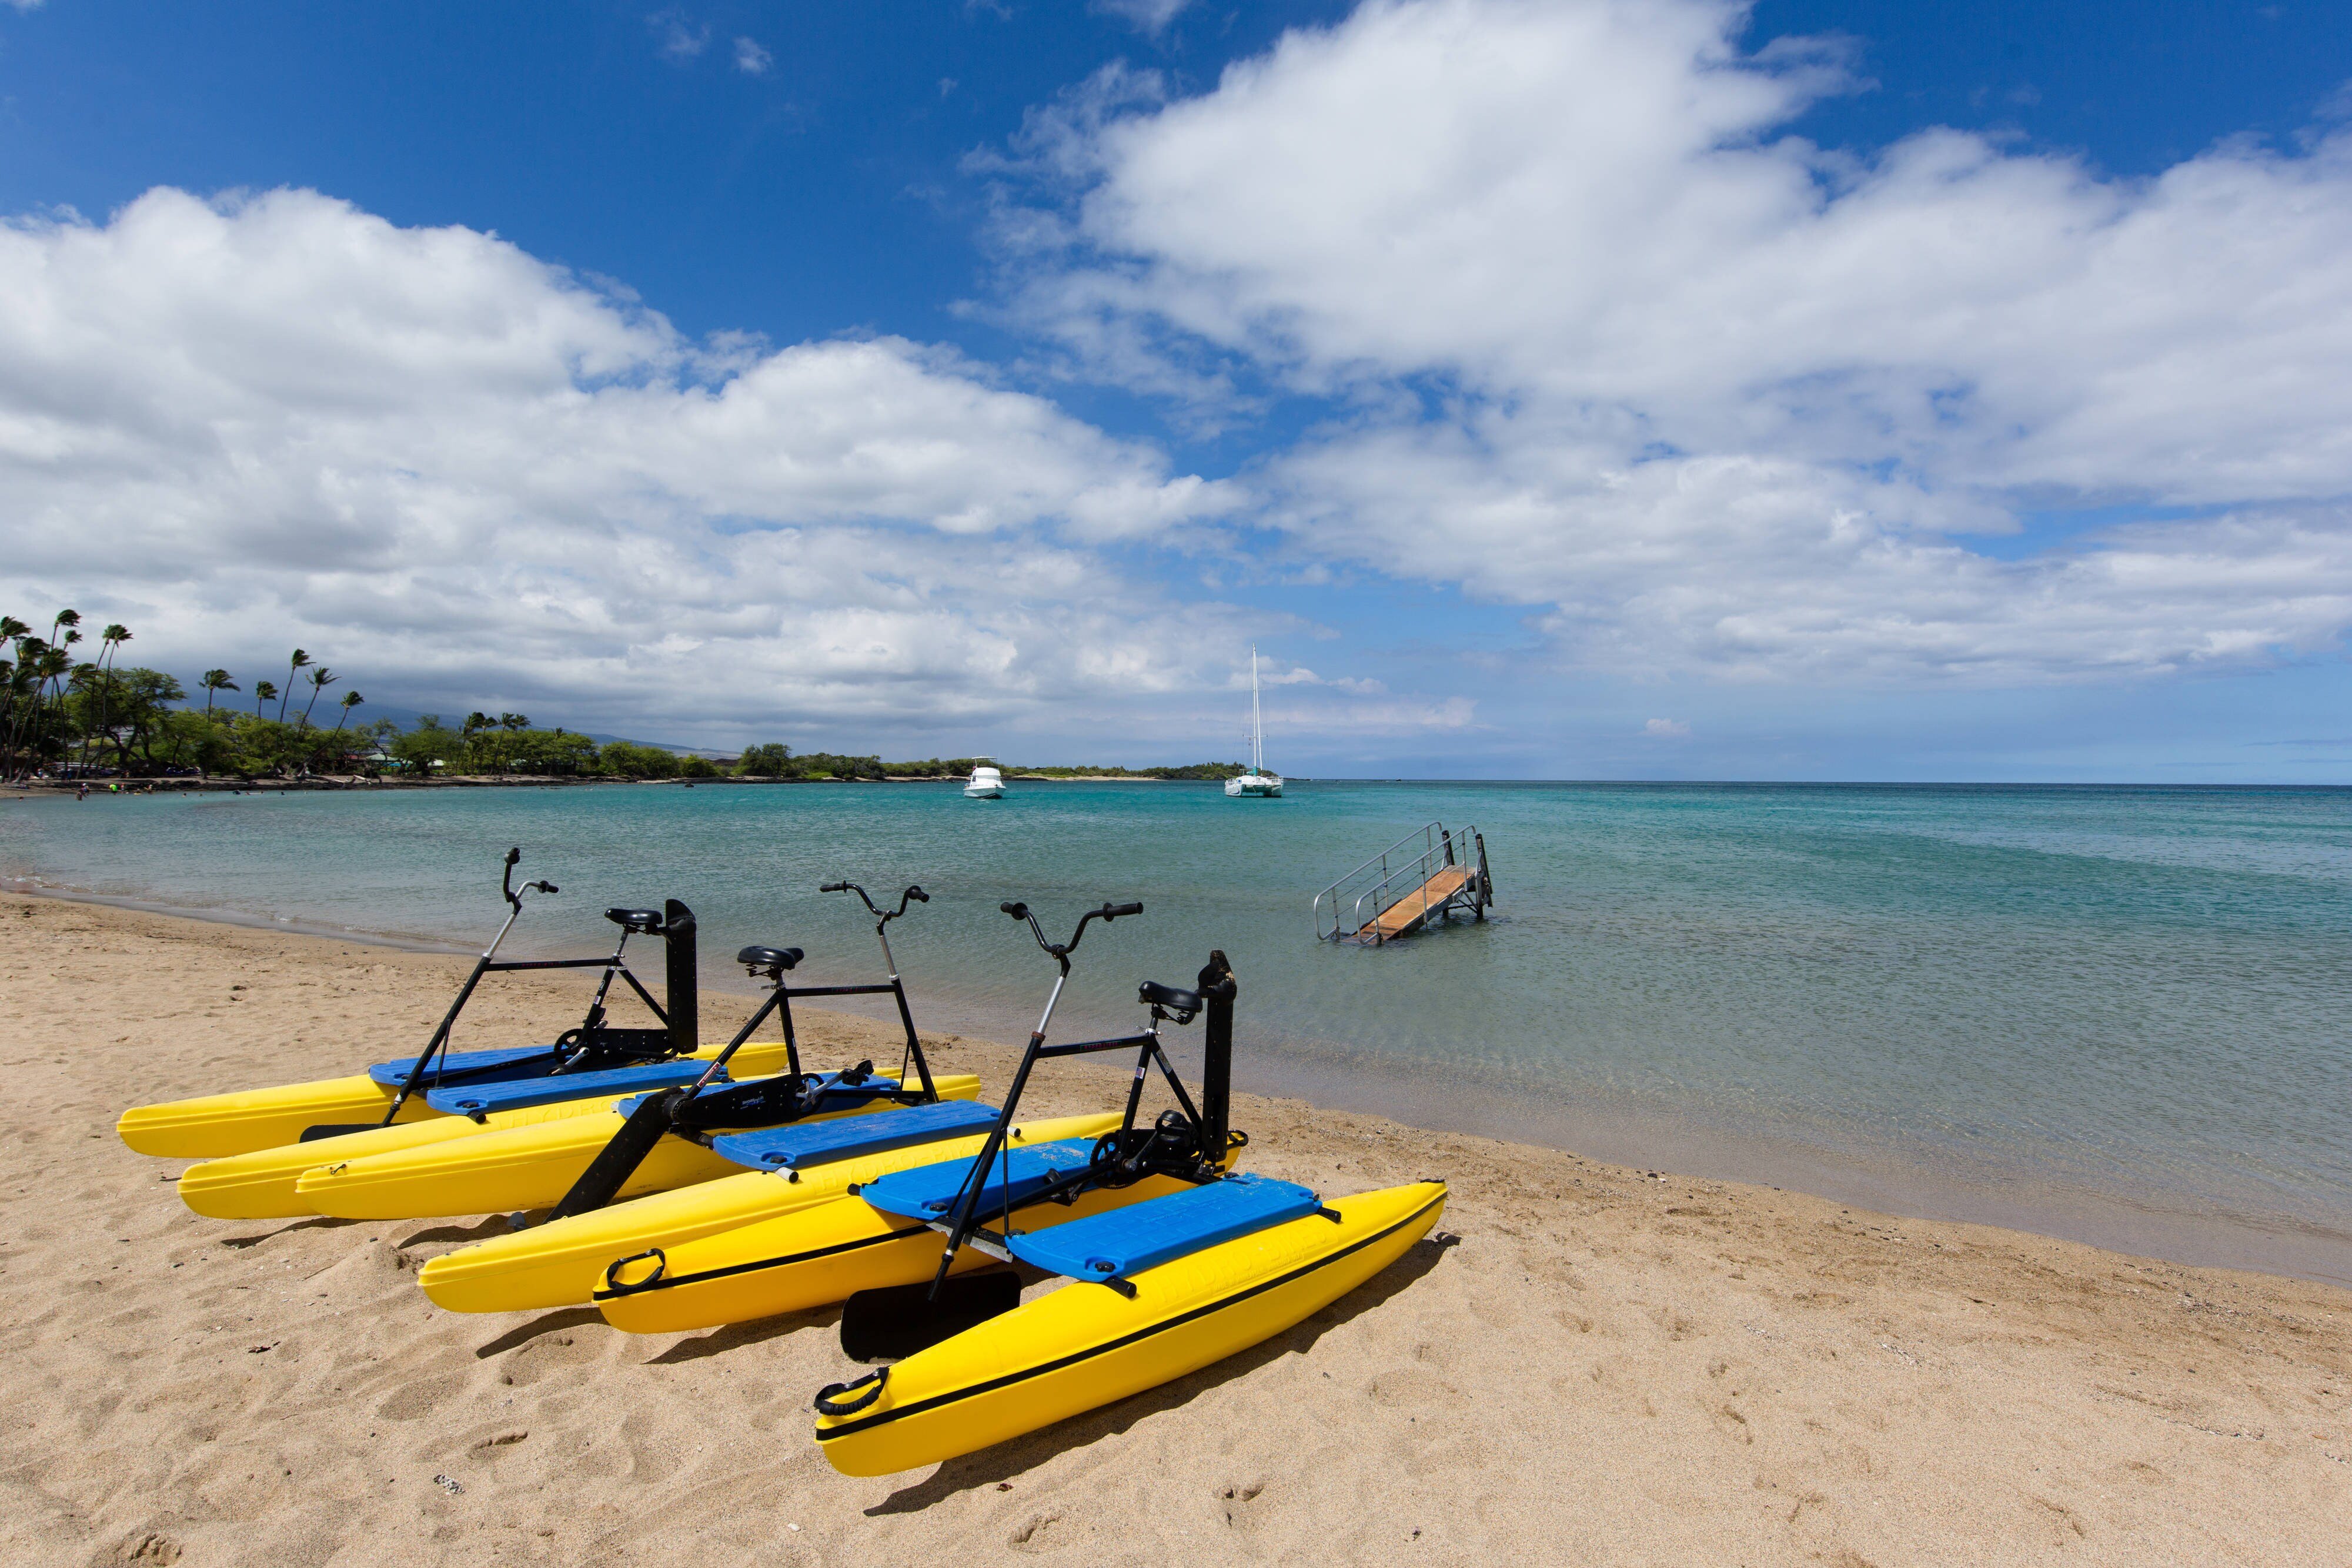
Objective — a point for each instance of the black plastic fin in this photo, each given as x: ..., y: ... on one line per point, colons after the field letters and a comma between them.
x: 618, y: 1160
x: 335, y: 1130
x: 899, y: 1320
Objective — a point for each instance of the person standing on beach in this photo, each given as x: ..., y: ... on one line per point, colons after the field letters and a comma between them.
x: 81, y: 790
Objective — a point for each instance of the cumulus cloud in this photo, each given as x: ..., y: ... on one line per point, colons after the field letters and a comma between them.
x: 1667, y: 728
x: 751, y: 58
x: 1598, y: 335
x: 272, y: 420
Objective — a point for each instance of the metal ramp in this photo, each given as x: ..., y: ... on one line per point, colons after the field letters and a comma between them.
x: 1430, y: 874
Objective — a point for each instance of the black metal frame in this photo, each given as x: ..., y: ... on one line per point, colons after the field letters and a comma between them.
x: 1188, y: 1143
x: 690, y: 1113
x: 591, y: 1046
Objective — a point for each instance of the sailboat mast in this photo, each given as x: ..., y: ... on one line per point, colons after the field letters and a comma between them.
x: 1258, y: 724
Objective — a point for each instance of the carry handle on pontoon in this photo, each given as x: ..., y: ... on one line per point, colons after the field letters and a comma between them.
x: 674, y: 924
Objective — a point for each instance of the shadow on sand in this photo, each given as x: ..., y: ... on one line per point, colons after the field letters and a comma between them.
x: 734, y: 1336
x: 1024, y: 1453
x: 318, y: 1222
x: 523, y: 1334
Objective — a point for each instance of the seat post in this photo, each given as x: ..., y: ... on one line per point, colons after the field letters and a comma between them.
x: 1217, y: 989
x: 683, y: 987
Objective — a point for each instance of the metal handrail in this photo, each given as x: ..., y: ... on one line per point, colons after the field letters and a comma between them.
x: 1453, y: 846
x: 1429, y: 834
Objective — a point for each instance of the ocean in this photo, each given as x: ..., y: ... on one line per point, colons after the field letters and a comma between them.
x: 2113, y: 1014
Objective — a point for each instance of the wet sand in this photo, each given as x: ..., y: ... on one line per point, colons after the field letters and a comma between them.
x: 1589, y: 1363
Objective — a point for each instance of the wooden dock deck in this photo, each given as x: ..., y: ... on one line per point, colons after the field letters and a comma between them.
x: 1406, y: 914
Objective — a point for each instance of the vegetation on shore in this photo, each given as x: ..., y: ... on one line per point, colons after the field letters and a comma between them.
x: 63, y: 714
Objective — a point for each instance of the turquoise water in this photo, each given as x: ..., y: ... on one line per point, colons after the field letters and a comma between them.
x: 2112, y: 1013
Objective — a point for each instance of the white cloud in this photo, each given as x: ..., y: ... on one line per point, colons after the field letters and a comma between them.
x: 1602, y: 338
x: 249, y: 424
x: 677, y: 40
x: 1150, y: 16
x: 1667, y: 728
x: 751, y: 58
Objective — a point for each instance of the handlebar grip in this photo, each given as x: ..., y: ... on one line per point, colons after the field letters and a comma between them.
x: 1018, y: 911
x: 546, y: 888
x: 514, y: 855
x: 919, y: 895
x: 1113, y: 911
x: 833, y: 888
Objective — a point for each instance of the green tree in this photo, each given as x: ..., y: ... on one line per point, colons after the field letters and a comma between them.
x: 319, y: 679
x: 215, y: 681
x: 294, y: 668
x: 633, y: 761
x: 430, y: 745
x: 351, y: 700
x: 262, y: 692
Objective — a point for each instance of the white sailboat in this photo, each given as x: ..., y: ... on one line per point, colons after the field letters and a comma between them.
x: 987, y: 784
x: 1257, y: 782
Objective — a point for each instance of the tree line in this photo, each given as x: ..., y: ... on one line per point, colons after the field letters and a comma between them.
x: 62, y: 713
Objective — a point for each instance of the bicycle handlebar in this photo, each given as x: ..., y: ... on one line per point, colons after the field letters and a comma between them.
x: 914, y: 894
x: 1060, y: 951
x: 507, y: 888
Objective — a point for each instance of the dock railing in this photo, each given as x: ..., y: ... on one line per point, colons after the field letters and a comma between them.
x: 1410, y: 873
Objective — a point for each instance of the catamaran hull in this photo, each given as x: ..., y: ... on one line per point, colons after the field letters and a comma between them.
x: 523, y: 1168
x: 561, y: 1264
x: 1086, y: 1346
x: 811, y: 1259
x: 216, y: 1126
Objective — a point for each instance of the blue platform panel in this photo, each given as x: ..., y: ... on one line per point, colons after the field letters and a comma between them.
x: 800, y: 1145
x: 516, y: 1094
x: 1124, y: 1241
x: 927, y: 1192
x: 522, y: 1059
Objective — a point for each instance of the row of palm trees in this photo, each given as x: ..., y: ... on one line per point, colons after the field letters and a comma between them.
x: 33, y: 683
x: 301, y: 669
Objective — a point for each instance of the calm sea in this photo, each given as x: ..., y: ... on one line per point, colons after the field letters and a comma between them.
x: 2118, y: 1014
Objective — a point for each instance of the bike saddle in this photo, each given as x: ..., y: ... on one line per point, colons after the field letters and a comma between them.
x: 774, y: 960
x: 1169, y: 997
x: 639, y: 920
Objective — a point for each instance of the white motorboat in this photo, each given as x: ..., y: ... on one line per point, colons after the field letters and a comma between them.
x: 1259, y: 781
x: 987, y: 784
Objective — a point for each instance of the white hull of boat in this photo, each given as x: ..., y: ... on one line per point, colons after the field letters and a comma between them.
x: 1259, y: 784
x: 987, y: 784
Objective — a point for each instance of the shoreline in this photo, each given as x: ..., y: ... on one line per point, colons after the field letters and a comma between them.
x: 1423, y: 1099
x: 221, y: 784
x: 1720, y: 1371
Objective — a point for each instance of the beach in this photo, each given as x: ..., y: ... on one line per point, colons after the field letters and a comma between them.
x: 1587, y: 1363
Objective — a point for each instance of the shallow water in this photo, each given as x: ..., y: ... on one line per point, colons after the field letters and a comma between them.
x: 2114, y: 1013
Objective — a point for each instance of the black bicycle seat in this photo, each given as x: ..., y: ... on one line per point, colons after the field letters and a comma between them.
x: 771, y: 958
x: 641, y: 920
x: 1168, y: 996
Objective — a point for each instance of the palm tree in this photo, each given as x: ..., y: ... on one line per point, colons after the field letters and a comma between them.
x: 293, y: 668
x: 351, y: 700
x: 110, y: 641
x: 320, y: 679
x: 215, y: 681
x: 262, y: 692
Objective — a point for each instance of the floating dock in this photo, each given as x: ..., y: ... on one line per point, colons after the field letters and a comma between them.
x: 1431, y: 874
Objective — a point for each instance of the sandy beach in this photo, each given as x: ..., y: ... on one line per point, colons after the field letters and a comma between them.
x: 1591, y: 1363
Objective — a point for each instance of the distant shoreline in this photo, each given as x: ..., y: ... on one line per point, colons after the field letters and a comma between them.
x: 35, y: 788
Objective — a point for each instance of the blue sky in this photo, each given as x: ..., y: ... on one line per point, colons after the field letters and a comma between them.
x: 1816, y: 390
